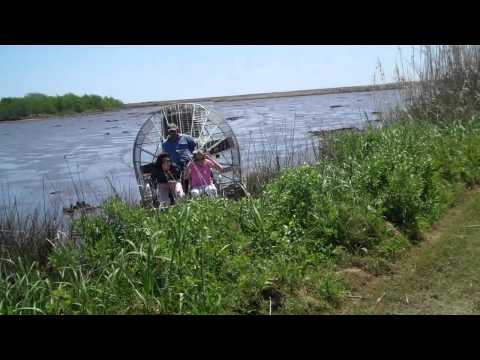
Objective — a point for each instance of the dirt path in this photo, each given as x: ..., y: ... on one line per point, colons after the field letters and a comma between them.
x: 439, y: 276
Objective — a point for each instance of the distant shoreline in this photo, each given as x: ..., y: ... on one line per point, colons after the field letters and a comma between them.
x: 271, y: 95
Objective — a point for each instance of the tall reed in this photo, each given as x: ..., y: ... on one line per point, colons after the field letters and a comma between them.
x: 441, y: 83
x: 269, y: 153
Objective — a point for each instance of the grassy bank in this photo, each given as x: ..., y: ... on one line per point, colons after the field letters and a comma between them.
x: 438, y: 277
x: 363, y: 204
x: 41, y: 105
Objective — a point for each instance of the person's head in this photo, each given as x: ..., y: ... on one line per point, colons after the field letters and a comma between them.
x: 198, y: 156
x: 164, y: 161
x: 172, y: 130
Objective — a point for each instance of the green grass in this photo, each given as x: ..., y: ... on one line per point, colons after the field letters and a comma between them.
x: 438, y: 277
x: 281, y: 252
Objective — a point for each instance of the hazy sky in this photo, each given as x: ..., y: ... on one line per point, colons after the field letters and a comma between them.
x: 144, y: 73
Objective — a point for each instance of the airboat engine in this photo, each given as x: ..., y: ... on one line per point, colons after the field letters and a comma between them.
x: 211, y: 133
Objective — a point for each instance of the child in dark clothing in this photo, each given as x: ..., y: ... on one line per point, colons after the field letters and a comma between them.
x: 166, y: 179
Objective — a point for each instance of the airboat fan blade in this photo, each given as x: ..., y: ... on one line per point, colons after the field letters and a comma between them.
x: 216, y: 146
x: 148, y: 152
x: 227, y: 169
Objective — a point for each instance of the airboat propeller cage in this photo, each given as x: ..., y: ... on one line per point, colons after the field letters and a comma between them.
x: 210, y: 131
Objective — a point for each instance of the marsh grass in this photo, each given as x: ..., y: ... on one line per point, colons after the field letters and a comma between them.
x: 270, y: 153
x: 28, y: 236
x: 31, y: 234
x: 441, y: 83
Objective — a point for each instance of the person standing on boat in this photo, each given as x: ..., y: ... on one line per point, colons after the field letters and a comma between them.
x: 180, y: 147
x: 166, y: 179
x: 199, y: 172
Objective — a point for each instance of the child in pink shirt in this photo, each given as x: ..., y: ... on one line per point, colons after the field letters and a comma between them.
x: 199, y: 171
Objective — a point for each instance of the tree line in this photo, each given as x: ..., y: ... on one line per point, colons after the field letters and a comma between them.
x: 14, y: 108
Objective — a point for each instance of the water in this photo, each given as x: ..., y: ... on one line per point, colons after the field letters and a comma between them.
x: 60, y: 160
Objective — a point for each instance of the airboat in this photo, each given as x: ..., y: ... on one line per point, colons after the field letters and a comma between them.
x: 211, y: 133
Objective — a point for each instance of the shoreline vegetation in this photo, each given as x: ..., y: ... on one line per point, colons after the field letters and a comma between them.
x: 300, y: 245
x: 40, y: 106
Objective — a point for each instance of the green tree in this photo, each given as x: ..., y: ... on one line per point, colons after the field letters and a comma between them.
x: 36, y: 103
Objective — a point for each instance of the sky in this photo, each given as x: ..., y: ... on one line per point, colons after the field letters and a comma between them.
x: 160, y: 72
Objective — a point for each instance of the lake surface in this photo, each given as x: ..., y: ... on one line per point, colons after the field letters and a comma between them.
x: 56, y: 161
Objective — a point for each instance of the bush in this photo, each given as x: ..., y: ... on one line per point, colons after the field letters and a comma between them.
x: 36, y: 104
